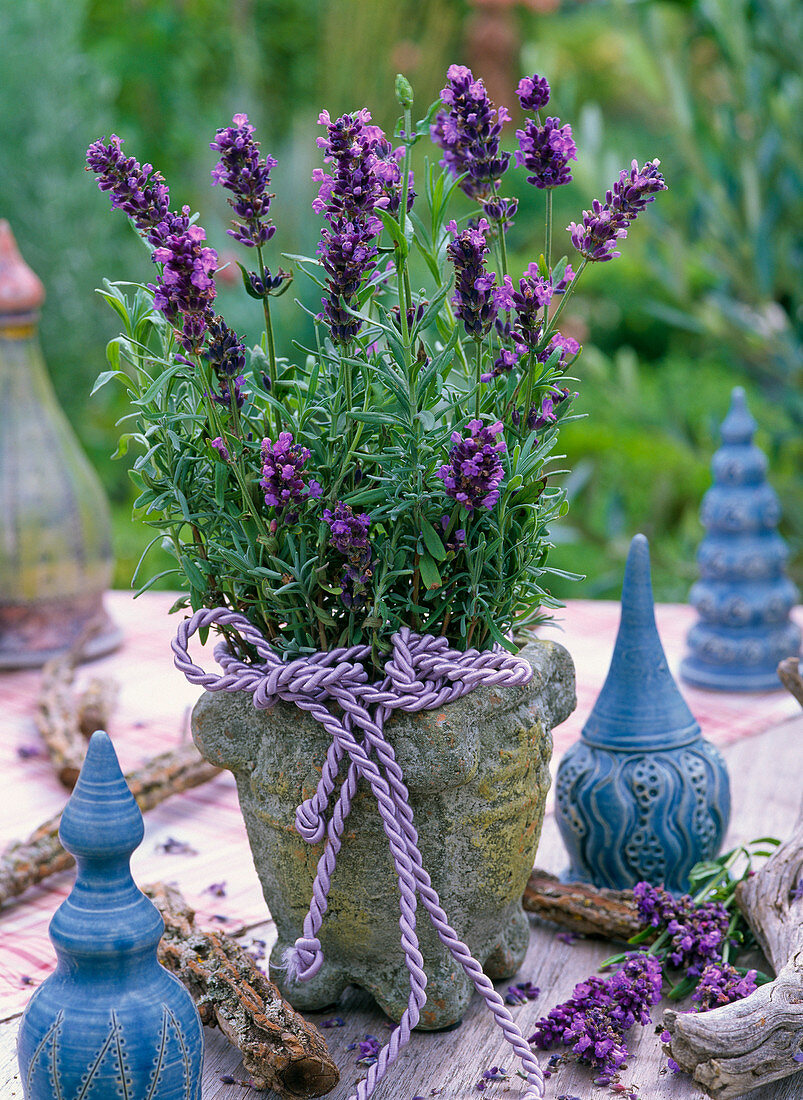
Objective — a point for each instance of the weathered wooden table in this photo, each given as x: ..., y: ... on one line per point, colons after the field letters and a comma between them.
x: 766, y: 779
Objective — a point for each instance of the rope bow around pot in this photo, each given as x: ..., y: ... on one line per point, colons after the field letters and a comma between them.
x: 421, y: 673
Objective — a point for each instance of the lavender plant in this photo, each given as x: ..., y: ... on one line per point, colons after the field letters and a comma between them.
x: 395, y: 472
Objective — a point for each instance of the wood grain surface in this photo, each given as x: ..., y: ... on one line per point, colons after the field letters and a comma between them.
x: 766, y: 781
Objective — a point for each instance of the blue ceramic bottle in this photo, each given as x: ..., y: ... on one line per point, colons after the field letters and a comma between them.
x: 110, y: 1022
x: 743, y: 597
x: 641, y: 795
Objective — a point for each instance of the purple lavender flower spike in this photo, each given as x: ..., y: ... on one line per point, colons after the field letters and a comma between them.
x: 634, y: 988
x: 596, y: 236
x: 533, y: 92
x: 474, y: 472
x: 241, y: 171
x: 697, y: 931
x: 266, y: 283
x: 136, y: 189
x: 469, y: 133
x: 362, y: 180
x: 185, y: 290
x: 545, y: 151
x: 224, y: 349
x: 593, y: 1037
x: 350, y: 538
x: 634, y: 189
x: 476, y: 300
x: 606, y: 223
x: 533, y: 295
x: 720, y: 984
x: 282, y: 477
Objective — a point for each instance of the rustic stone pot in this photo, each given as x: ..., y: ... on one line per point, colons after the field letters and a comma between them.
x: 478, y: 774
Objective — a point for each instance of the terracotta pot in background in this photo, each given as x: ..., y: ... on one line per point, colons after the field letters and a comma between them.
x: 55, y: 534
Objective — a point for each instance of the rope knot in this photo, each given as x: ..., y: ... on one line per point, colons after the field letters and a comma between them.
x: 309, y: 822
x: 303, y: 960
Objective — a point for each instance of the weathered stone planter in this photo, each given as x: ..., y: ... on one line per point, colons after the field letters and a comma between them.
x: 478, y: 774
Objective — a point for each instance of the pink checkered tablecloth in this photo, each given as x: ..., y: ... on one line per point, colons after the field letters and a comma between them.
x: 153, y: 715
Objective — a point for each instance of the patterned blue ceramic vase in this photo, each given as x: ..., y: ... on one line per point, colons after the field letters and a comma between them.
x: 641, y: 795
x: 743, y: 597
x: 110, y: 1022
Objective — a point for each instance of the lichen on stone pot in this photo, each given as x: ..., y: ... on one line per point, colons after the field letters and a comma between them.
x: 477, y: 771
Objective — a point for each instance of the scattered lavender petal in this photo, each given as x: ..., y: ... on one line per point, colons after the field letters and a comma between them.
x: 173, y: 847
x: 29, y: 752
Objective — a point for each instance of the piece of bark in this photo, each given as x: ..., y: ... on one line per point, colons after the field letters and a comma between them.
x: 751, y: 1042
x: 581, y: 908
x: 281, y: 1050
x: 790, y: 673
x: 65, y: 719
x: 95, y: 705
x: 57, y: 718
x: 26, y: 862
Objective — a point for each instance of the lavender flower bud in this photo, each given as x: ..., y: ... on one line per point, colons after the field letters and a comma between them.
x: 241, y: 171
x: 476, y: 301
x: 185, y: 290
x: 224, y: 349
x: 533, y: 92
x: 221, y: 448
x: 720, y: 984
x: 136, y: 189
x: 350, y: 538
x: 469, y: 133
x: 361, y: 181
x: 474, y: 472
x: 606, y: 223
x: 282, y: 477
x: 533, y: 295
x: 545, y: 151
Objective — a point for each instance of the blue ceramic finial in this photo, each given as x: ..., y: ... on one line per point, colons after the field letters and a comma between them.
x: 639, y: 702
x: 110, y: 1021
x: 641, y: 795
x: 743, y: 597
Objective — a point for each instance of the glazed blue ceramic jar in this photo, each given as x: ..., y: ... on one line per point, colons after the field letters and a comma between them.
x: 110, y: 1022
x: 743, y: 597
x: 641, y: 796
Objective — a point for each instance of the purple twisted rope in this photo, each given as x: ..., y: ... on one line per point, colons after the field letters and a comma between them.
x: 421, y: 673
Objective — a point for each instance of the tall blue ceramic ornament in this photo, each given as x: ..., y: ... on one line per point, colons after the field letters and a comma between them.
x: 641, y: 796
x: 110, y: 1022
x: 743, y: 597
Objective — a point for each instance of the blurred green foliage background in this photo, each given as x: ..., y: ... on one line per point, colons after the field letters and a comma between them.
x: 706, y: 295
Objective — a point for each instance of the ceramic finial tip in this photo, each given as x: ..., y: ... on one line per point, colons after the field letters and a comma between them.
x: 738, y: 426
x: 637, y: 601
x: 20, y: 289
x: 102, y: 817
x: 639, y: 704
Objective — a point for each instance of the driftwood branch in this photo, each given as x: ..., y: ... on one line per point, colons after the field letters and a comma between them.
x: 581, y: 908
x: 65, y: 718
x: 281, y: 1050
x: 738, y: 1047
x: 790, y: 673
x: 26, y: 862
